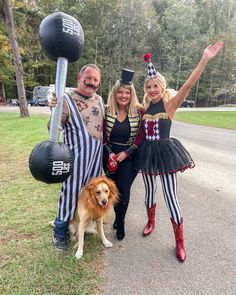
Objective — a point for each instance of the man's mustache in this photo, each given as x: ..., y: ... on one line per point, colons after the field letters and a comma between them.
x: 94, y: 87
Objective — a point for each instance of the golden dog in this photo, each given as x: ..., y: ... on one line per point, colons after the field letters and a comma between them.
x: 94, y: 202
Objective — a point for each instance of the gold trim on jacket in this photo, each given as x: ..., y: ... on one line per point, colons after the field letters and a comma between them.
x: 133, y: 121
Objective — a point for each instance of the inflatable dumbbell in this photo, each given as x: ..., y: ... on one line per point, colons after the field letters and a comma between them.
x: 62, y: 38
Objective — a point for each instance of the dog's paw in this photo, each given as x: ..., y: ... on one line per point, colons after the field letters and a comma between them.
x: 107, y: 244
x: 79, y: 254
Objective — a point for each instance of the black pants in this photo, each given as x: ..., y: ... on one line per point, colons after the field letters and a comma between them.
x: 123, y: 177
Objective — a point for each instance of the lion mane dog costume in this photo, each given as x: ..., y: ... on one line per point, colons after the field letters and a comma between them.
x: 95, y: 200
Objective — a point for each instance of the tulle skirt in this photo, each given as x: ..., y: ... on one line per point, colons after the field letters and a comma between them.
x: 162, y: 156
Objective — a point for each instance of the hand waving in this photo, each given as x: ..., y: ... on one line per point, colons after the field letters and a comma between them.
x: 212, y: 50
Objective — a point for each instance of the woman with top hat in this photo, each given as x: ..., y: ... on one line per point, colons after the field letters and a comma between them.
x: 158, y: 153
x: 122, y: 120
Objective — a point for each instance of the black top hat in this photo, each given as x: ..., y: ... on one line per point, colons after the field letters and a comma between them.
x: 126, y: 76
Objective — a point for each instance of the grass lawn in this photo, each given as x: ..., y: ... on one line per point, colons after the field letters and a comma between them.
x: 28, y: 262
x: 214, y: 119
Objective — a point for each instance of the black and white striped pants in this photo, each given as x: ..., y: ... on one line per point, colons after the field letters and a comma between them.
x: 169, y: 188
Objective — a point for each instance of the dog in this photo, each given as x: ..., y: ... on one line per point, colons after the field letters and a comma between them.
x: 94, y: 202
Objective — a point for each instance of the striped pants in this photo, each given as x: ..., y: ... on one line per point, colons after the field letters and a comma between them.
x: 169, y: 185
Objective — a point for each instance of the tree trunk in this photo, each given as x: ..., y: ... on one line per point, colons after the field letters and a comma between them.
x: 96, y: 50
x: 3, y: 93
x: 210, y: 91
x: 179, y: 66
x: 196, y: 93
x: 17, y: 59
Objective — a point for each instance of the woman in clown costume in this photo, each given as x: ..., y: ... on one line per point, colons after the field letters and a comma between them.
x: 160, y: 155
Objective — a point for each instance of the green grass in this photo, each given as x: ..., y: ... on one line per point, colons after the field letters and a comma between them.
x: 28, y: 262
x: 225, y: 120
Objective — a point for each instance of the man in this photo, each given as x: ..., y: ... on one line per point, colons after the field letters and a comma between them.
x: 82, y: 121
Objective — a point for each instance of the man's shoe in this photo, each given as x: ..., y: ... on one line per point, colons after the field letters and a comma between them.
x: 60, y: 244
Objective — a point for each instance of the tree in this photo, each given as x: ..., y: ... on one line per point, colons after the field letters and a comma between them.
x: 7, y: 69
x: 17, y: 59
x: 119, y: 32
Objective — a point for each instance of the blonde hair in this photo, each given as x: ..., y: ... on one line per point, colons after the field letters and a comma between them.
x: 161, y: 81
x: 112, y: 105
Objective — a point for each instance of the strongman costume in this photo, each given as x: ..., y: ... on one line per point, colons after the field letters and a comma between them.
x: 82, y: 132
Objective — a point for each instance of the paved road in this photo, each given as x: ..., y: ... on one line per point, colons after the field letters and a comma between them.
x: 32, y: 110
x: 211, y: 109
x: 207, y: 195
x: 46, y: 110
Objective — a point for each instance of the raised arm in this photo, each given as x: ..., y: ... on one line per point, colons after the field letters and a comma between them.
x: 210, y: 52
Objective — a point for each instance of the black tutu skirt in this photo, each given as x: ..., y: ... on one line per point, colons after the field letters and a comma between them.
x: 162, y: 156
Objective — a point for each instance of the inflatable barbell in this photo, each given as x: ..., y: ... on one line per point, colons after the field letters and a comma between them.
x: 62, y: 38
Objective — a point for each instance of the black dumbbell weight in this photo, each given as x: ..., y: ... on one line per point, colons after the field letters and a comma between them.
x: 62, y: 38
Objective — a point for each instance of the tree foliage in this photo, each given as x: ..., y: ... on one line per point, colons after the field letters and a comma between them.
x: 16, y: 58
x: 118, y: 32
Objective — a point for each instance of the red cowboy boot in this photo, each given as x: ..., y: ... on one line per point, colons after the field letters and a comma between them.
x: 151, y: 221
x: 179, y: 239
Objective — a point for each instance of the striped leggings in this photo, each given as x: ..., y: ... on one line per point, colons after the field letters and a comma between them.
x: 169, y: 185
